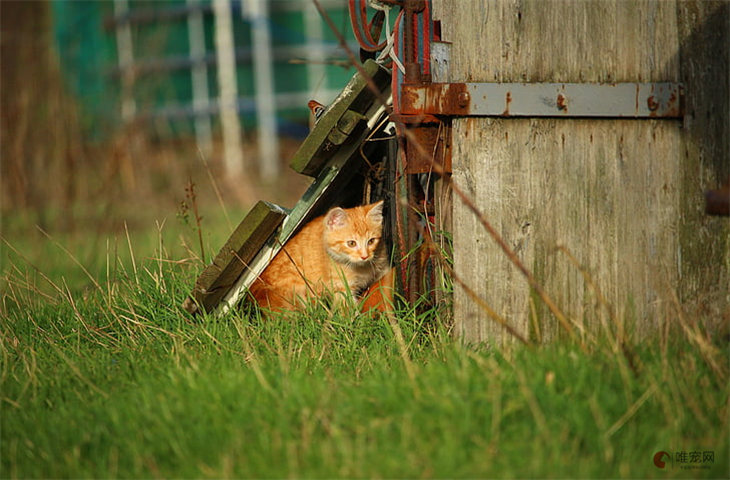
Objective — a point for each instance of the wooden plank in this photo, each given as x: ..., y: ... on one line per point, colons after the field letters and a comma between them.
x: 244, y: 243
x: 322, y: 142
x: 623, y: 196
x: 704, y: 154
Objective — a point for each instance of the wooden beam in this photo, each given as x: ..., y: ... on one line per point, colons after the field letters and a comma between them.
x: 251, y: 234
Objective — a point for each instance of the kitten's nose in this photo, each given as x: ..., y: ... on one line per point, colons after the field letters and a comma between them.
x: 364, y: 256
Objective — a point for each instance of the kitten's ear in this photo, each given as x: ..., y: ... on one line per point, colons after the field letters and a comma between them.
x: 335, y: 218
x: 376, y: 212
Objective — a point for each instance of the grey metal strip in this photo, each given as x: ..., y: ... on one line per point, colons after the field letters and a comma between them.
x: 631, y: 100
x: 576, y: 99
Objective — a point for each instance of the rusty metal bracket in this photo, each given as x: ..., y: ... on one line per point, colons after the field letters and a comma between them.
x: 615, y: 100
x: 434, y: 138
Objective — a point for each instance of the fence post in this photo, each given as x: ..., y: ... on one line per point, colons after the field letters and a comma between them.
x: 613, y: 200
x: 125, y: 52
x: 199, y: 74
x: 264, y: 94
x: 316, y: 75
x: 227, y: 89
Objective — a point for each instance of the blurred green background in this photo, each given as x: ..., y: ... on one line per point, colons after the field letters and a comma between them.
x: 73, y: 168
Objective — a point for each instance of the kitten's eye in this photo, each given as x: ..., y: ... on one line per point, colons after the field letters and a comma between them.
x: 351, y: 243
x: 371, y: 241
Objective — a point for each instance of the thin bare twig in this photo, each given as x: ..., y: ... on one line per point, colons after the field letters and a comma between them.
x: 485, y: 306
x: 190, y: 191
x: 511, y: 255
x: 215, y: 188
x: 597, y: 291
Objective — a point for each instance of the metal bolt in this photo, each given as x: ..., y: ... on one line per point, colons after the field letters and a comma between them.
x: 561, y: 102
x: 463, y: 99
x: 652, y: 104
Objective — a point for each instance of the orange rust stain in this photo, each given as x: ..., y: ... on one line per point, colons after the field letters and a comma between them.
x: 507, y: 101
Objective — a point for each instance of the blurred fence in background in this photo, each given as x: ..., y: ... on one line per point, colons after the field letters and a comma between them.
x: 83, y: 82
x: 159, y: 63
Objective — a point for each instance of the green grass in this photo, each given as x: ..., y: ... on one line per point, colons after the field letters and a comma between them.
x: 101, y: 246
x: 115, y: 380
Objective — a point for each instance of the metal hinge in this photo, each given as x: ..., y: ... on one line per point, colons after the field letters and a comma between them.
x: 615, y: 100
x: 597, y: 100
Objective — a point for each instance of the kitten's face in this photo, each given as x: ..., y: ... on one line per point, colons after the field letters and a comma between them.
x: 353, y: 235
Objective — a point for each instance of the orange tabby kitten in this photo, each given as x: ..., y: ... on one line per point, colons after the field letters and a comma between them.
x: 338, y: 252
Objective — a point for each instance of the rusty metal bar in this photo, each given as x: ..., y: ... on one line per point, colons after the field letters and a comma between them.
x: 413, y: 68
x: 615, y: 100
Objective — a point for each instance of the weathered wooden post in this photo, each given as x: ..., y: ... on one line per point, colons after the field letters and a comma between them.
x: 233, y: 159
x: 199, y: 79
x: 125, y: 52
x: 622, y: 195
x: 268, y: 143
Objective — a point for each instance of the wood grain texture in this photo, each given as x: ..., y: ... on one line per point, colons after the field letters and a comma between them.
x: 623, y: 196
